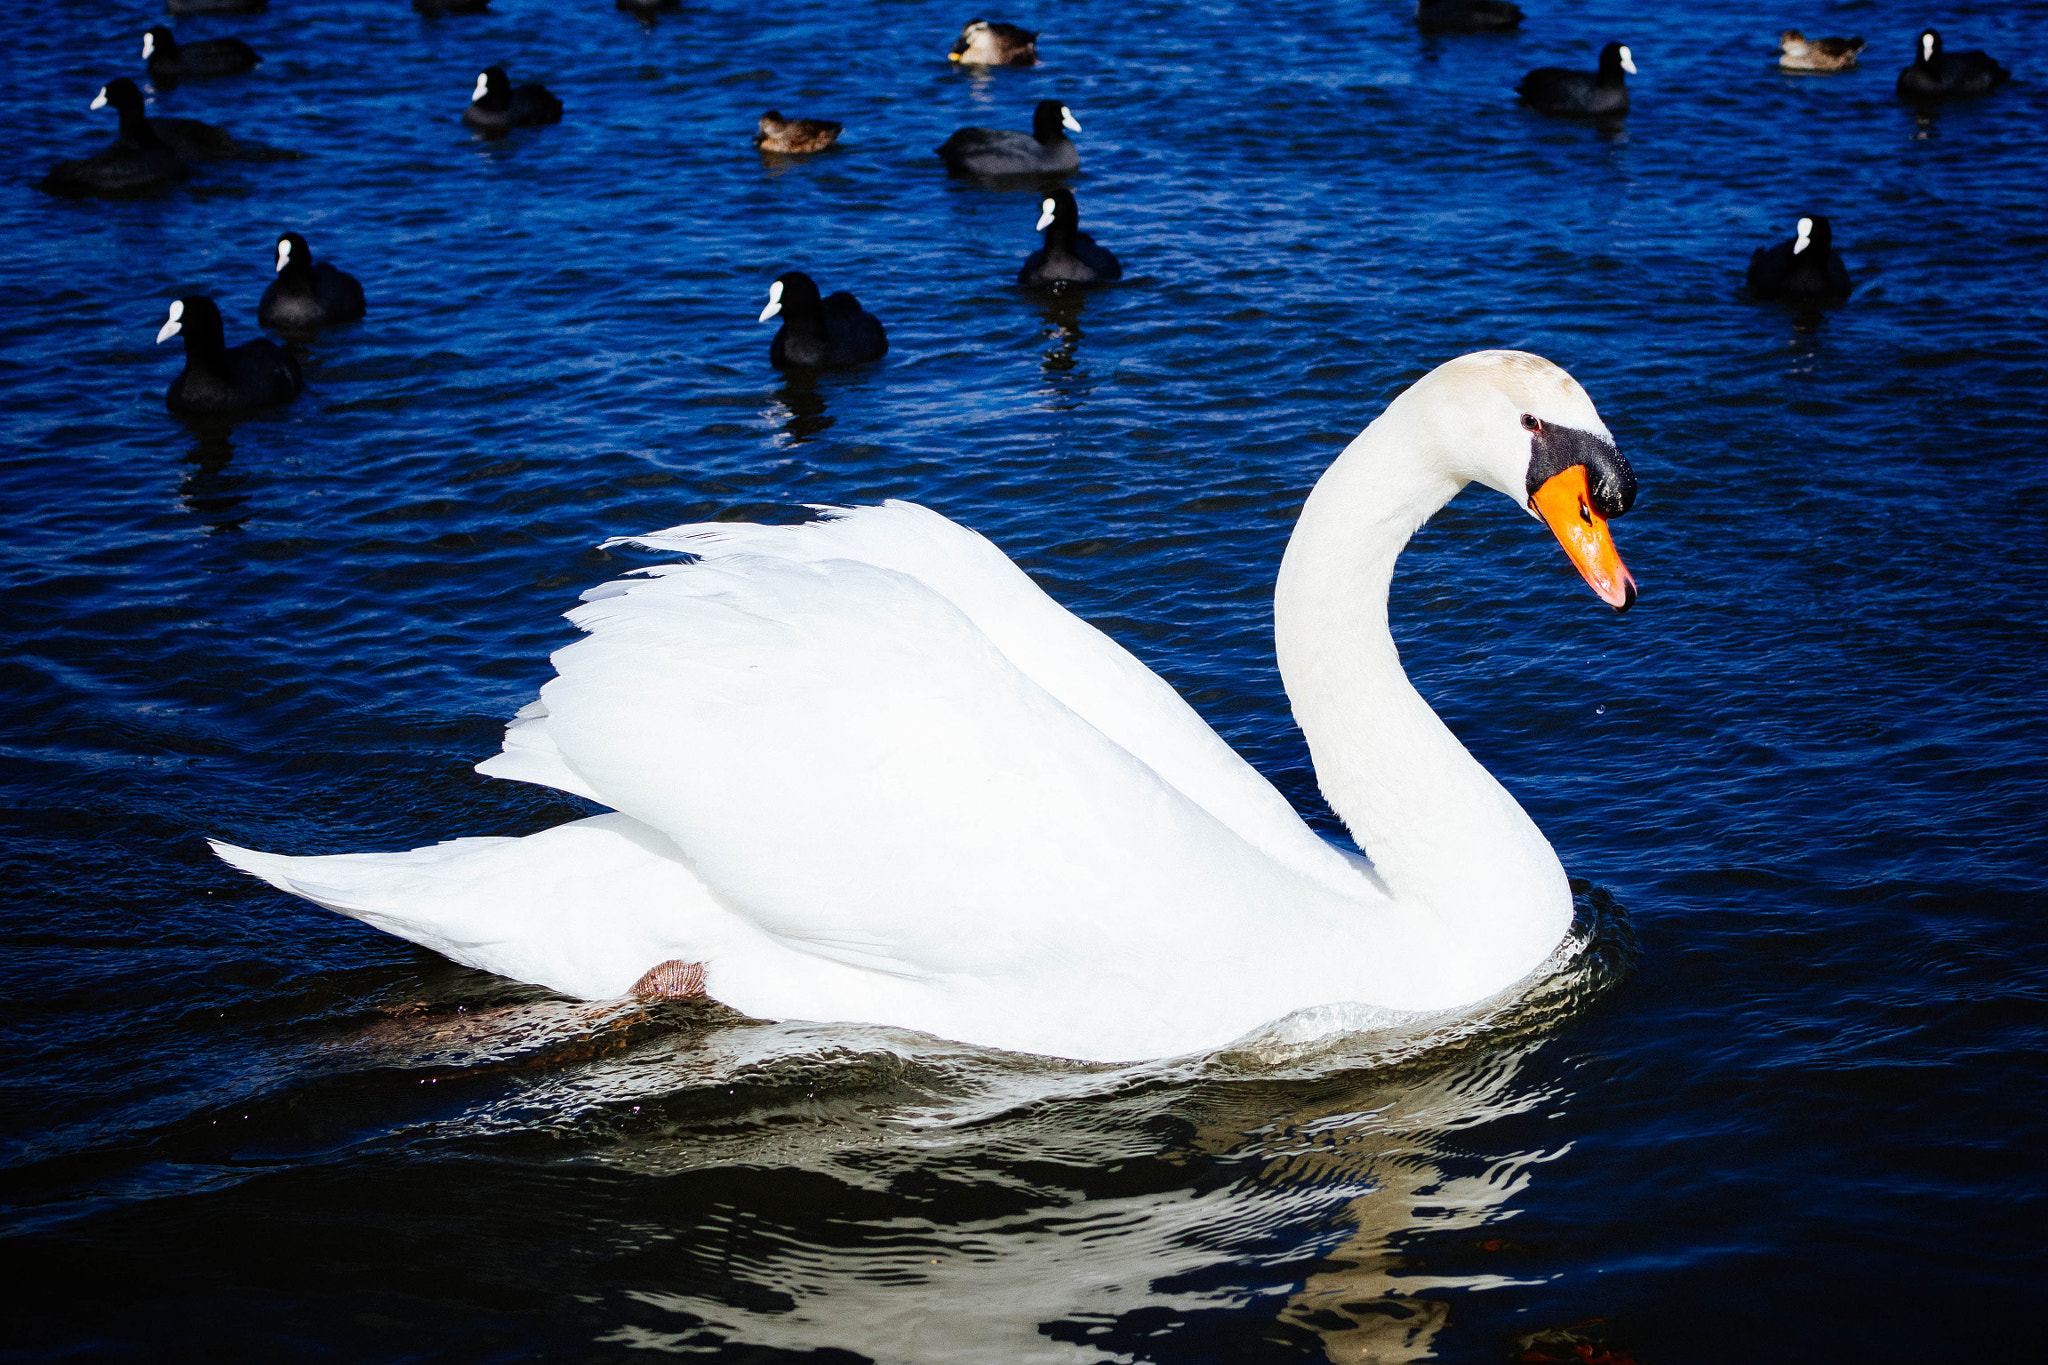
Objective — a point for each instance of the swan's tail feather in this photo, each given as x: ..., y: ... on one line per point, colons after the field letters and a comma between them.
x: 373, y: 887
x: 588, y: 908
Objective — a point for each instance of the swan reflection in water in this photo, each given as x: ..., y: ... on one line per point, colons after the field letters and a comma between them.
x: 1068, y: 1269
x: 797, y: 1186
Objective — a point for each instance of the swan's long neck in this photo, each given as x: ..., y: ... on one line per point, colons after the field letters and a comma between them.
x: 1442, y: 833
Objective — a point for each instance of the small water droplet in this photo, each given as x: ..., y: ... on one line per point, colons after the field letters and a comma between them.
x: 1599, y: 710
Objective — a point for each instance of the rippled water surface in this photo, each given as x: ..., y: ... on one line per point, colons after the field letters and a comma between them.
x: 1786, y: 1107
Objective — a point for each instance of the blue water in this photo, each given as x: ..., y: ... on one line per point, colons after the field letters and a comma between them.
x: 1791, y: 1109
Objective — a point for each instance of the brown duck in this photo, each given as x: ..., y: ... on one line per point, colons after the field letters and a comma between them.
x: 779, y: 134
x: 1797, y: 53
x: 982, y: 43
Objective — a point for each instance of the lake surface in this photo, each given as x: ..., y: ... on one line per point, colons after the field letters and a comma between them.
x: 1787, y: 1108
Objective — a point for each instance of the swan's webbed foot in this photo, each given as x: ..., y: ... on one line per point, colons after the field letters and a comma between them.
x: 672, y: 980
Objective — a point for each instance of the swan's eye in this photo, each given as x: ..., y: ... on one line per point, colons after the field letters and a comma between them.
x: 1530, y: 423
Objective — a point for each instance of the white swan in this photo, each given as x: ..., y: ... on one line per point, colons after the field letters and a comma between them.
x: 864, y: 770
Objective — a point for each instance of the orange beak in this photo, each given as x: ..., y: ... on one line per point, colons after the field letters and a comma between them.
x: 1565, y: 502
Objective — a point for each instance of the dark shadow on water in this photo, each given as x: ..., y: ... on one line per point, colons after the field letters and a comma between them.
x: 1612, y: 128
x: 208, y: 491
x: 804, y: 407
x: 1808, y: 317
x: 1432, y: 43
x: 781, y: 163
x: 647, y: 11
x: 1060, y: 306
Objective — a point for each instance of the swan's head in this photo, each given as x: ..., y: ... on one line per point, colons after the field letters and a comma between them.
x: 1521, y: 425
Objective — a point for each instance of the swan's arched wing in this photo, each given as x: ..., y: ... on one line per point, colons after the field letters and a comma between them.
x: 848, y: 762
x: 1093, y: 675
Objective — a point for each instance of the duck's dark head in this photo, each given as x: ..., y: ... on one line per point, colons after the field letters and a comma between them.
x: 1059, y: 211
x: 1812, y: 236
x: 792, y: 292
x: 195, y: 318
x: 493, y: 89
x: 292, y: 254
x: 123, y: 95
x: 126, y: 100
x: 1051, y: 121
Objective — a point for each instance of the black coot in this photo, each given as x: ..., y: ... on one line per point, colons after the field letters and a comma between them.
x: 135, y: 162
x: 1467, y: 16
x: 255, y: 374
x: 1807, y: 268
x: 1935, y: 74
x: 1555, y: 90
x: 168, y: 60
x: 307, y: 295
x: 188, y: 137
x: 817, y: 333
x: 1069, y: 256
x: 998, y: 151
x: 497, y: 106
